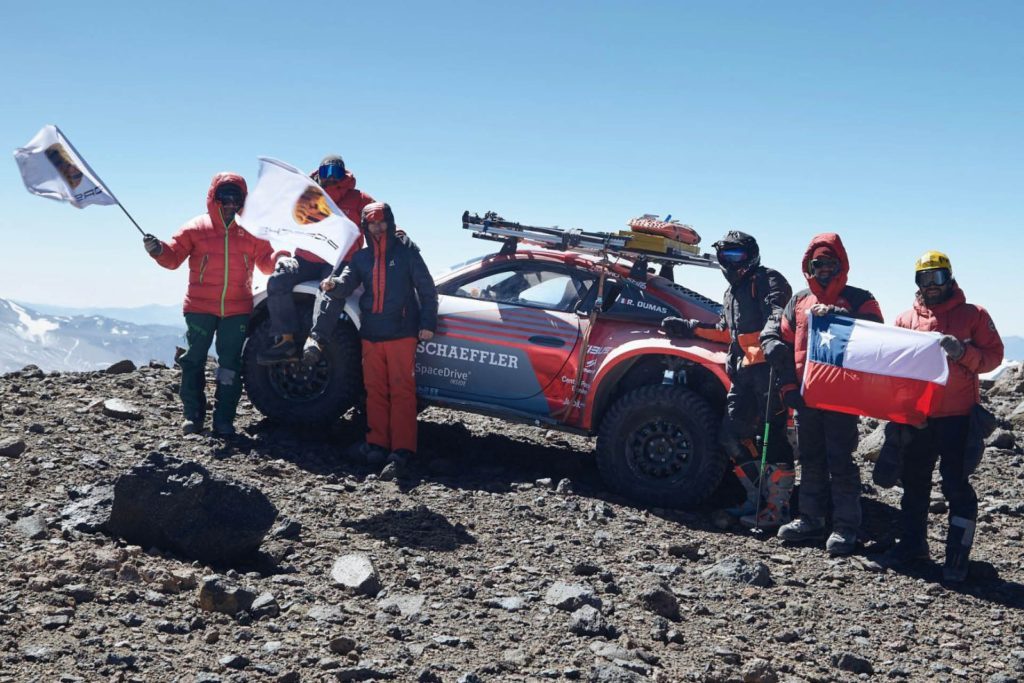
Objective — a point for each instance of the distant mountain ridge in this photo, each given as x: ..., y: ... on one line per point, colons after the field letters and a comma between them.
x: 150, y: 314
x: 79, y: 342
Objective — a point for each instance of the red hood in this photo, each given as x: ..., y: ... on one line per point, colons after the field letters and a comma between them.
x: 830, y: 294
x: 339, y: 190
x: 956, y: 299
x: 212, y: 207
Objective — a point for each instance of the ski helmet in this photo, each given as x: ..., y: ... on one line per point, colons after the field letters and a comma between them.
x: 737, y: 254
x: 930, y: 260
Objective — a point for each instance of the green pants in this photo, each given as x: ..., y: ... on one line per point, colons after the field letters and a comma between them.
x: 230, y: 333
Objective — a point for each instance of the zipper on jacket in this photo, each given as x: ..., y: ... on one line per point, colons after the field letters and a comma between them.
x: 224, y: 292
x: 202, y: 267
x: 245, y: 260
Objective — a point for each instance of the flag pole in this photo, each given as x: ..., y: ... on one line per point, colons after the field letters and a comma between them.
x: 98, y: 179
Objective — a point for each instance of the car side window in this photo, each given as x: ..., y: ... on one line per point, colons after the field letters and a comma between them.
x: 550, y: 289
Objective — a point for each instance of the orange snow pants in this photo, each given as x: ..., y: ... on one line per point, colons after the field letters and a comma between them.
x: 390, y: 393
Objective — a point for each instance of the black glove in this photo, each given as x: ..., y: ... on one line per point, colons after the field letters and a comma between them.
x: 286, y: 264
x: 678, y: 327
x: 953, y: 347
x: 775, y: 352
x: 793, y: 399
x: 152, y: 245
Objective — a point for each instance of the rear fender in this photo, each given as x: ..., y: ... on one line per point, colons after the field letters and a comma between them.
x: 614, y: 366
x: 310, y: 288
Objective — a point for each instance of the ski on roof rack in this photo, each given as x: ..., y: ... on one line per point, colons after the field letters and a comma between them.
x: 633, y: 245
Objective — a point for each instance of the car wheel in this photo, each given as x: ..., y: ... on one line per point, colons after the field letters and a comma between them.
x: 297, y: 393
x: 657, y: 445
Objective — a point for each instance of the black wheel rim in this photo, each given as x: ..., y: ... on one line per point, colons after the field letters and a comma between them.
x: 299, y: 381
x: 659, y: 449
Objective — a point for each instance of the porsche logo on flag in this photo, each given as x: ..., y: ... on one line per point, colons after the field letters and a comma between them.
x: 61, y: 160
x: 51, y: 168
x: 311, y: 206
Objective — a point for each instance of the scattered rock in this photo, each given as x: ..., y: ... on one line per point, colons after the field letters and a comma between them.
x: 587, y: 621
x: 1002, y: 438
x: 32, y: 527
x: 403, y: 605
x: 870, y: 446
x: 847, y: 661
x: 120, y: 367
x: 265, y: 605
x: 658, y: 598
x: 180, y: 506
x: 11, y: 448
x: 738, y: 570
x: 342, y: 645
x: 122, y: 410
x: 759, y: 671
x: 90, y: 513
x: 234, y: 661
x: 356, y: 572
x: 217, y: 594
x: 570, y: 597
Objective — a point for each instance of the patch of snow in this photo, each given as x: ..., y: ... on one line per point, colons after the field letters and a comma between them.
x: 35, y: 330
x: 998, y: 372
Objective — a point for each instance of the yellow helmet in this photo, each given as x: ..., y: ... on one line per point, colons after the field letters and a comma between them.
x: 930, y: 260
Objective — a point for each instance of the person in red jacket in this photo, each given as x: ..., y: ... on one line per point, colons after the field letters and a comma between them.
x: 973, y: 345
x: 826, y: 439
x: 221, y: 258
x: 340, y: 185
x: 398, y: 307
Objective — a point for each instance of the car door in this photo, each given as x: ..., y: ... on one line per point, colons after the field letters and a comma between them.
x: 504, y: 334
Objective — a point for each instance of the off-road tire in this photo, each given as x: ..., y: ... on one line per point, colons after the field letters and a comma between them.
x: 289, y: 392
x: 657, y: 445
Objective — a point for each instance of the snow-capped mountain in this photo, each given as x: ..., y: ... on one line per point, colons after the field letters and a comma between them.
x: 79, y: 342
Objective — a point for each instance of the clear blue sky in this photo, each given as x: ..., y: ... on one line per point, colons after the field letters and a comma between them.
x: 898, y: 125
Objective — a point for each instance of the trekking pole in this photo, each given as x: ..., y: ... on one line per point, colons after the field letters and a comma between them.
x: 764, y: 447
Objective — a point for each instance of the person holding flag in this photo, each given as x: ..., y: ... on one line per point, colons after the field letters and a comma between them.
x: 973, y: 346
x: 340, y: 186
x: 827, y: 439
x: 218, y: 301
x: 755, y: 294
x: 399, y: 308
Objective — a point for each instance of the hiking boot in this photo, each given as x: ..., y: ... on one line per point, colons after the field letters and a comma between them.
x: 312, y: 352
x: 283, y: 351
x: 958, y: 549
x: 191, y: 426
x: 802, y: 529
x: 223, y: 429
x: 841, y: 542
x: 774, y: 511
x: 367, y: 453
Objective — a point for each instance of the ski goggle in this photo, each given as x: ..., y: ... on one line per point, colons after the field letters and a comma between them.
x: 732, y: 256
x: 933, y: 278
x: 819, y: 263
x: 331, y: 172
x: 228, y: 196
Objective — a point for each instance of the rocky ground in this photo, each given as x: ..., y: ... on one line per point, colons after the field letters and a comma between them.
x: 500, y: 558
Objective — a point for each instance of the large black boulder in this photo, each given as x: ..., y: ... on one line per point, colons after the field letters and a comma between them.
x: 179, y: 506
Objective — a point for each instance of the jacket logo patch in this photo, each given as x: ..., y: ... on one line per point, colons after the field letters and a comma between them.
x: 392, y: 263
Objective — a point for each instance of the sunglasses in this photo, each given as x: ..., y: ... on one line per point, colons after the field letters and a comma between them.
x: 331, y: 172
x: 235, y: 199
x: 732, y: 256
x: 819, y: 263
x: 933, y: 278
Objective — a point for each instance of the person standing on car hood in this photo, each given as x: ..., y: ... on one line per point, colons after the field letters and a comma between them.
x: 398, y: 307
x: 973, y: 345
x: 755, y: 294
x: 340, y: 185
x: 826, y: 439
x: 221, y: 258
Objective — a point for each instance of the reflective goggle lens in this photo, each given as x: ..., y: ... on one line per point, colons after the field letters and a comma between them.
x: 932, y: 278
x: 229, y: 198
x: 331, y: 172
x: 732, y: 255
x: 819, y: 263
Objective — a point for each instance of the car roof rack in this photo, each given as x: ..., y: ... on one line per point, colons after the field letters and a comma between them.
x: 638, y: 247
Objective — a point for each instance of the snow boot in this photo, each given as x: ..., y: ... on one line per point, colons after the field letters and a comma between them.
x: 802, y: 529
x: 959, y: 540
x: 312, y: 352
x: 283, y: 351
x: 747, y: 474
x: 906, y: 552
x: 774, y: 511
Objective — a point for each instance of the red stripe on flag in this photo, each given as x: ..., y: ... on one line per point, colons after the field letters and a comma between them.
x: 908, y: 401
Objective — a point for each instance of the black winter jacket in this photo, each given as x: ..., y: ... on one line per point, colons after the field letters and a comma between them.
x: 399, y: 297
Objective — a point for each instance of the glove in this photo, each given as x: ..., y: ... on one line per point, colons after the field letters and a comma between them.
x: 775, y: 352
x: 152, y: 245
x: 286, y: 264
x: 793, y: 399
x: 953, y: 347
x: 828, y: 309
x: 678, y: 327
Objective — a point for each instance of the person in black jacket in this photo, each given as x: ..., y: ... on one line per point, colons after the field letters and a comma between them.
x: 755, y: 294
x: 398, y: 307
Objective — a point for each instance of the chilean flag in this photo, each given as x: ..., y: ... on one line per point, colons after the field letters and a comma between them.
x: 866, y: 368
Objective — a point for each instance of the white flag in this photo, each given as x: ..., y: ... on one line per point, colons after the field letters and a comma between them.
x: 290, y: 210
x: 51, y: 167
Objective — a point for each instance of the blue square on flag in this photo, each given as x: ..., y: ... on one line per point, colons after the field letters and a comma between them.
x: 829, y: 336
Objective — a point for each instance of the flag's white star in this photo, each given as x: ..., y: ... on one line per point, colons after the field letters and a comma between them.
x: 826, y: 338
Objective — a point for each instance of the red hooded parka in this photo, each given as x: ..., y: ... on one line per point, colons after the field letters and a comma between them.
x: 351, y: 202
x: 220, y: 258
